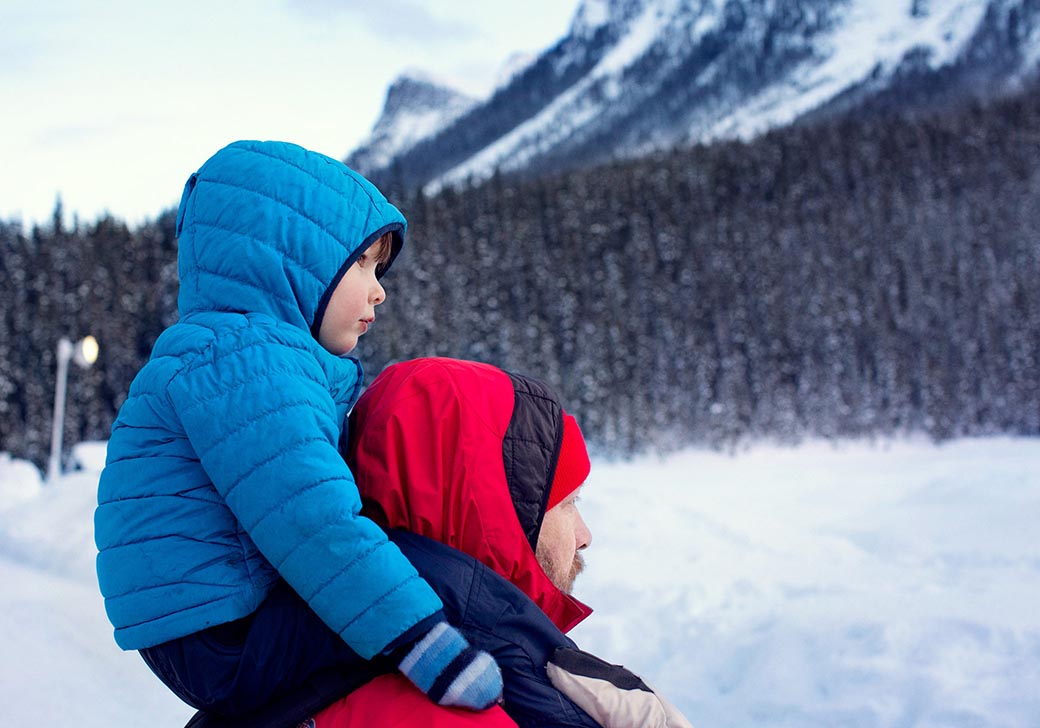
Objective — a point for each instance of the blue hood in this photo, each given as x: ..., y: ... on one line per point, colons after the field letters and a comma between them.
x: 270, y: 227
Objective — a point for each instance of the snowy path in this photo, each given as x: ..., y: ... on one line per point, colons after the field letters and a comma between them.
x: 895, y: 585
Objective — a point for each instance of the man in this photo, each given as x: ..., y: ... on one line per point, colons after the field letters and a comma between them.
x: 476, y: 473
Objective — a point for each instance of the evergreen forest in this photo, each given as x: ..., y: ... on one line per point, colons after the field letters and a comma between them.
x: 860, y: 277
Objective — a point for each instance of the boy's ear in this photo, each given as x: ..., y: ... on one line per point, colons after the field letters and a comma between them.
x: 189, y: 187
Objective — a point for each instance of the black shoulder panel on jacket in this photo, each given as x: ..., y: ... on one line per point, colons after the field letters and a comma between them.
x: 530, y: 450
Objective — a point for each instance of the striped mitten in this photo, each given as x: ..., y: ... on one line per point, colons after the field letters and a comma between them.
x: 452, y: 672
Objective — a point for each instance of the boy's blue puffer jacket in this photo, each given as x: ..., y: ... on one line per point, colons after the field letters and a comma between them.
x: 223, y: 467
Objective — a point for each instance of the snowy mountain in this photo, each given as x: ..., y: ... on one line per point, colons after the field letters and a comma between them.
x: 631, y: 76
x: 417, y: 106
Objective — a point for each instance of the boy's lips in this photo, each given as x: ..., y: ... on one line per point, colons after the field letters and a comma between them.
x: 365, y: 323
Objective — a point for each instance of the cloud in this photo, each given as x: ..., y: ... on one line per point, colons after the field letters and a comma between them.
x: 396, y: 20
x: 109, y: 130
x: 71, y: 134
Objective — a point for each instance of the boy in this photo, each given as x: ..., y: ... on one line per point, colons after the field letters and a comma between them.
x: 232, y: 552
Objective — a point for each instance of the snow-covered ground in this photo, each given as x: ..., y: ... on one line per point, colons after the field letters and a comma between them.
x: 856, y: 585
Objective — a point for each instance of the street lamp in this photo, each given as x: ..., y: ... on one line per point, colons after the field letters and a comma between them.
x: 84, y: 352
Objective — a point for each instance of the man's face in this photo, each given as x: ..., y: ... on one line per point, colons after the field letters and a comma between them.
x: 560, y: 542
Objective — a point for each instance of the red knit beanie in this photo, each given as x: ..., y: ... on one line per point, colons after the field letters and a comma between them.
x: 573, y: 466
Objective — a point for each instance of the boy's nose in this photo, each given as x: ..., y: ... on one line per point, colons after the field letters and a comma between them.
x: 378, y: 294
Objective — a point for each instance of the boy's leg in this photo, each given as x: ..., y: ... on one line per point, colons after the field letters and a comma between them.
x: 237, y: 668
x: 292, y: 709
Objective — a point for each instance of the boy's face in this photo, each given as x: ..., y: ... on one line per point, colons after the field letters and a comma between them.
x: 351, y: 308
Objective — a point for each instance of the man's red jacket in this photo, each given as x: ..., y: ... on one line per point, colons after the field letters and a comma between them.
x: 463, y: 454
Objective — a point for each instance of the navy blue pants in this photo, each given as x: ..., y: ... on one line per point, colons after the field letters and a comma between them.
x: 276, y: 667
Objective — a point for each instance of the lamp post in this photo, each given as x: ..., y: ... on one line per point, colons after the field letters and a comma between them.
x: 84, y: 352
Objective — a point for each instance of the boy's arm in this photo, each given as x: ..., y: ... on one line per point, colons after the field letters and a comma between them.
x: 265, y: 428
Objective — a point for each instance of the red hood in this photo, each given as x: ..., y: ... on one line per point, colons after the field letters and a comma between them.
x: 427, y: 451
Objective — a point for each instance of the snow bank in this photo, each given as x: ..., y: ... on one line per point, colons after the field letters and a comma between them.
x: 19, y: 481
x: 90, y: 456
x: 860, y: 585
x: 59, y: 664
x: 823, y: 586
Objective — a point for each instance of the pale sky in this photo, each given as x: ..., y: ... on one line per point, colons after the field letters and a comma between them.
x: 114, y: 103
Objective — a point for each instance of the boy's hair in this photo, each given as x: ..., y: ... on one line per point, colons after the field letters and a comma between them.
x: 382, y: 249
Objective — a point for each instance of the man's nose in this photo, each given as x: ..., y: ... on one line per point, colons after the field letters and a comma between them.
x: 583, y: 536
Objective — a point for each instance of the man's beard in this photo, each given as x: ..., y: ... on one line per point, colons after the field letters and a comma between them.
x: 562, y: 581
x: 577, y: 566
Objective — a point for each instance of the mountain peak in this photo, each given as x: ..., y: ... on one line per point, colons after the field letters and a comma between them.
x: 418, y: 91
x: 417, y: 106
